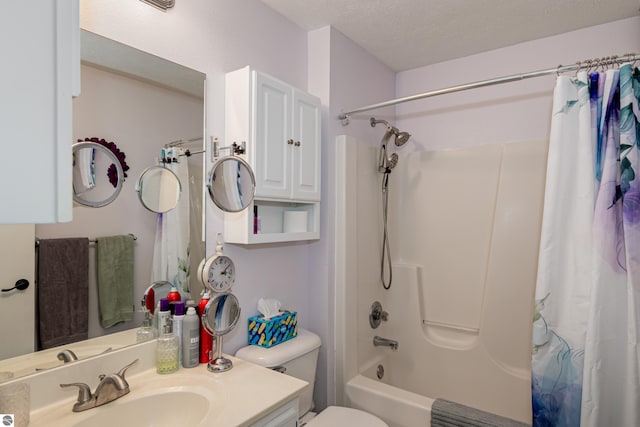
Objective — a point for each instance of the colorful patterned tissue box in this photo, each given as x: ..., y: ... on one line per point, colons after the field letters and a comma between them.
x: 267, y: 333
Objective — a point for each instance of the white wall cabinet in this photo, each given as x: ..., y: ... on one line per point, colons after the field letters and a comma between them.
x: 40, y: 75
x: 281, y: 127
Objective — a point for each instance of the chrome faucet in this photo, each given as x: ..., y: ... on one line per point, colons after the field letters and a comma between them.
x: 111, y: 387
x: 67, y: 356
x: 379, y: 341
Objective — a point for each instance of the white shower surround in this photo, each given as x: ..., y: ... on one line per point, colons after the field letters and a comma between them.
x: 450, y: 346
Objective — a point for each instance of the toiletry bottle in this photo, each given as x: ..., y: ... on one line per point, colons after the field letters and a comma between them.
x: 256, y: 220
x: 167, y: 351
x: 206, y: 339
x: 191, y: 339
x: 164, y: 315
x: 177, y: 319
x: 147, y: 332
x: 173, y: 296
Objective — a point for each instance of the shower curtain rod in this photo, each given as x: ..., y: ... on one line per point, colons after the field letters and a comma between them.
x: 595, y: 63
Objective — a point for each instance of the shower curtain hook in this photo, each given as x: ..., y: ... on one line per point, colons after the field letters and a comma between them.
x: 560, y: 66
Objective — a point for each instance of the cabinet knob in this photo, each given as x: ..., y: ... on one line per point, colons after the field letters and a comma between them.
x: 297, y: 143
x: 289, y: 141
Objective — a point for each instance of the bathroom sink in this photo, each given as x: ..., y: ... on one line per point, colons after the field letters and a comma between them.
x: 166, y: 408
x: 190, y: 397
x: 153, y: 402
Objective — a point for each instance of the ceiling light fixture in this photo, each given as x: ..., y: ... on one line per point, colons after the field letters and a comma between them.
x: 160, y: 4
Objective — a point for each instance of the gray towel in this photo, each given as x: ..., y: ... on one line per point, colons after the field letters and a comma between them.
x: 63, y: 291
x: 114, y: 267
x: 445, y: 413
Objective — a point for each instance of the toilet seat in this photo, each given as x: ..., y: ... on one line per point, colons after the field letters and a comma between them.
x: 335, y: 416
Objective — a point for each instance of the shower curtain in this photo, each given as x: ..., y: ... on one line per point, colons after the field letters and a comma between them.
x: 172, y: 246
x: 586, y: 330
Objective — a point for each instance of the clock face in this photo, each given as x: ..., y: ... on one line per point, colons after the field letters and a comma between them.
x: 219, y: 272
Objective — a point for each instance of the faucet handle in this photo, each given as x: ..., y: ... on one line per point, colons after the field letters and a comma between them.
x: 84, y: 392
x: 123, y: 370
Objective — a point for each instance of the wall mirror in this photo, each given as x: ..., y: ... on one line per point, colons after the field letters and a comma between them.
x: 158, y: 189
x: 122, y: 89
x: 231, y: 184
x: 97, y: 175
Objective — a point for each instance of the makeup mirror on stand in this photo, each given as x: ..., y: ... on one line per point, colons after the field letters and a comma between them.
x: 219, y: 317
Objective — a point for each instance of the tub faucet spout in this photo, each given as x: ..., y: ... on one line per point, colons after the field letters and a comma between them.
x: 385, y: 342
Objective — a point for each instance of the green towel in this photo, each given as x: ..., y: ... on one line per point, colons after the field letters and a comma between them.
x: 114, y: 266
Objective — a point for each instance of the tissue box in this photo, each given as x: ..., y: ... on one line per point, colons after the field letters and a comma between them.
x: 273, y: 331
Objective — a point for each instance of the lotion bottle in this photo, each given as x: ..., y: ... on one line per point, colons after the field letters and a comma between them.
x: 191, y: 339
x: 147, y: 332
x: 164, y: 315
x: 167, y: 351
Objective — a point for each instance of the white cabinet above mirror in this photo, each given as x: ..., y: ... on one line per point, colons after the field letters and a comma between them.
x: 40, y: 75
x: 281, y: 127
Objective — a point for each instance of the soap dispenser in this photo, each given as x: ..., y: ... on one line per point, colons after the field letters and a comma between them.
x: 147, y: 332
x: 167, y: 351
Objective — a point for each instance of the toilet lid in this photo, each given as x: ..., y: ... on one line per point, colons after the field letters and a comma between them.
x: 335, y: 416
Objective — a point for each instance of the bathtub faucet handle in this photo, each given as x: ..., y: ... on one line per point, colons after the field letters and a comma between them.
x: 377, y: 315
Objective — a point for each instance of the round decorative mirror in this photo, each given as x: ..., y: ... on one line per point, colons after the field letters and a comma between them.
x: 219, y: 317
x: 97, y: 174
x: 231, y: 184
x: 153, y: 294
x: 158, y: 189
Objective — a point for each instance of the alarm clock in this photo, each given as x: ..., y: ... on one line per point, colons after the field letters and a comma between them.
x: 217, y: 273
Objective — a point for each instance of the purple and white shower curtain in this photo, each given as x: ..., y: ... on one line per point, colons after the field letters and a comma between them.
x: 586, y: 327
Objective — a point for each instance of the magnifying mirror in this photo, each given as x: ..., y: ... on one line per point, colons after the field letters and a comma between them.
x: 97, y: 174
x: 158, y: 189
x: 231, y: 184
x: 153, y: 294
x: 219, y: 317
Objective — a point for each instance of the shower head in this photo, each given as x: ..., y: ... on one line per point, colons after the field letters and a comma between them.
x: 400, y: 139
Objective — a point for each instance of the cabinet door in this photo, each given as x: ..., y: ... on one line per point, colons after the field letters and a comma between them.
x: 272, y: 136
x: 305, y: 178
x: 17, y: 308
x: 36, y: 82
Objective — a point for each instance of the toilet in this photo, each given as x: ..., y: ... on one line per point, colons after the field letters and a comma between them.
x: 299, y: 357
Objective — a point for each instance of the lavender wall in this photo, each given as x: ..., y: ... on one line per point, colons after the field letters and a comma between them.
x: 508, y: 112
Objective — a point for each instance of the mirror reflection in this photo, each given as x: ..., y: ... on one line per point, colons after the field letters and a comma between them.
x: 221, y: 314
x: 231, y: 184
x: 119, y: 104
x: 159, y: 189
x: 98, y: 175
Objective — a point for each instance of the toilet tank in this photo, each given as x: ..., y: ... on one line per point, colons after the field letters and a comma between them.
x: 298, y: 356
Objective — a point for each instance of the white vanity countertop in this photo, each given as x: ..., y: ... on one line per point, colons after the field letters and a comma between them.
x: 237, y: 397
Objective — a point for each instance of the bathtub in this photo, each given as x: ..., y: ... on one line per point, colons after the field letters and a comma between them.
x: 461, y: 302
x: 396, y: 406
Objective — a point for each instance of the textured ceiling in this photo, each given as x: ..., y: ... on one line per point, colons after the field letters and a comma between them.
x: 406, y: 34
